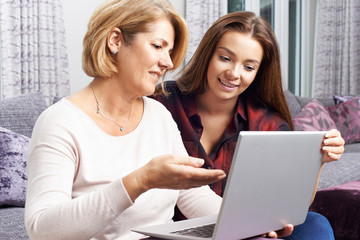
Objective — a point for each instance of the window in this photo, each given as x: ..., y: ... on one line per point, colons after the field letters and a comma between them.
x: 236, y: 5
x: 293, y: 24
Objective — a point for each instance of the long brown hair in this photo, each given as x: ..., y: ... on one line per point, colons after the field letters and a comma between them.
x: 267, y: 85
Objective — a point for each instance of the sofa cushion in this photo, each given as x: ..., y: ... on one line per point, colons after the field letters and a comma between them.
x: 313, y: 117
x: 346, y: 116
x: 19, y: 114
x: 346, y: 169
x: 292, y: 103
x: 13, y: 177
x: 343, y: 98
x: 353, y: 147
x: 340, y: 205
x: 12, y: 224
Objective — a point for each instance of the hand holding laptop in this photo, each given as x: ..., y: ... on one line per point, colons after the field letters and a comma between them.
x: 286, y: 231
x: 333, y: 146
x: 170, y: 172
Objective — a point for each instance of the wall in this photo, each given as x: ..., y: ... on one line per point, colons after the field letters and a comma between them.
x: 76, y: 16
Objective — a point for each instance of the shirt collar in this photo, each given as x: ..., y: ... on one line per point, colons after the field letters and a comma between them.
x: 189, y: 105
x: 240, y: 108
x: 191, y: 111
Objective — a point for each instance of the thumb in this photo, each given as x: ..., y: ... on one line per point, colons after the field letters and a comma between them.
x: 193, y: 161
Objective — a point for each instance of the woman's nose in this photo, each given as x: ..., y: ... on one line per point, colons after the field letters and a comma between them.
x: 233, y: 73
x: 166, y: 62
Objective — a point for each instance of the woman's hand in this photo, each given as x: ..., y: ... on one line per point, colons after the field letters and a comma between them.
x: 170, y: 172
x: 286, y: 231
x: 333, y: 146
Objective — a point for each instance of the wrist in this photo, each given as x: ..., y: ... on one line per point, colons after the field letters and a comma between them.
x: 134, y: 184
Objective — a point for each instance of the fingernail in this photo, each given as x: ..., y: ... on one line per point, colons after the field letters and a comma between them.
x: 199, y: 162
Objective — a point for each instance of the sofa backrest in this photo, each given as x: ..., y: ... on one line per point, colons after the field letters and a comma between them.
x: 19, y: 114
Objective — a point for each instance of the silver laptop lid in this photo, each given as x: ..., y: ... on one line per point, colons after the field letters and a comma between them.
x: 271, y: 182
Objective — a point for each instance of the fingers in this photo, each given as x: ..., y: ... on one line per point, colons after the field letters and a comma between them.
x: 194, y: 177
x: 179, y: 172
x: 286, y: 231
x: 333, y: 138
x: 333, y: 146
x: 189, y: 161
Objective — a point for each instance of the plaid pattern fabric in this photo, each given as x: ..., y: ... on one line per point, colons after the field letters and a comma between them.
x: 250, y: 115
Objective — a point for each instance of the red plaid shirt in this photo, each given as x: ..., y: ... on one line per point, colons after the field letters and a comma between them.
x: 250, y: 115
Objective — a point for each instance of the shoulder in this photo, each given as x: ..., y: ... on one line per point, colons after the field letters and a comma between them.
x: 60, y: 116
x: 56, y: 111
x: 172, y: 90
x: 155, y: 107
x: 263, y: 118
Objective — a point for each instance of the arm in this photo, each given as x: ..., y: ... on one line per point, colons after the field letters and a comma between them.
x: 170, y: 172
x: 51, y: 212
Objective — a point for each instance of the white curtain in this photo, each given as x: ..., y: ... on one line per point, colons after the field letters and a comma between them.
x: 33, y: 48
x: 200, y: 15
x: 337, y: 61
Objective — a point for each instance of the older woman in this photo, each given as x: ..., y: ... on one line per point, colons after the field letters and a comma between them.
x: 107, y: 159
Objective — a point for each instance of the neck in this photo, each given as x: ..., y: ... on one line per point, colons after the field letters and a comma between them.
x: 212, y: 106
x: 114, y: 100
x: 111, y: 107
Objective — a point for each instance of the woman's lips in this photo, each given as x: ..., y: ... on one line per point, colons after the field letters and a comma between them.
x: 227, y: 84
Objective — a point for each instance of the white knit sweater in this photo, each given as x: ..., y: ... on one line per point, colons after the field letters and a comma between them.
x: 75, y: 189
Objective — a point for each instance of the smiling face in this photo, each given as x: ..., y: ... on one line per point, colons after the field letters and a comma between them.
x: 142, y: 62
x: 233, y: 66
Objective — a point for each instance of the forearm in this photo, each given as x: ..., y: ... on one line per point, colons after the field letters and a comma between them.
x: 79, y: 218
x: 198, y: 202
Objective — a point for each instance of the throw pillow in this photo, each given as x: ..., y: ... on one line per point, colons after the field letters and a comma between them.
x: 343, y: 98
x: 347, y: 118
x: 13, y: 177
x: 340, y: 205
x: 19, y: 114
x: 313, y: 117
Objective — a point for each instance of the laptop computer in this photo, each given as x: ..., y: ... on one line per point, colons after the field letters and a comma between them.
x: 270, y: 184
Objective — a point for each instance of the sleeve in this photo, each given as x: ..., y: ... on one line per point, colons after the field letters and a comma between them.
x: 272, y: 121
x: 50, y: 211
x: 198, y: 202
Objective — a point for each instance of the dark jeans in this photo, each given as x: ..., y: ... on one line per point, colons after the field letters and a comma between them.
x: 315, y: 227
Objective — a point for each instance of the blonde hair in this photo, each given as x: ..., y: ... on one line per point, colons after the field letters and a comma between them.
x: 131, y: 17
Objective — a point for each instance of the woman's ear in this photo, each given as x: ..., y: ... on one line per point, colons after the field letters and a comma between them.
x: 114, y: 40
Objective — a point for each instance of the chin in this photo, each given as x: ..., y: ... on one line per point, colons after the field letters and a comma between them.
x: 149, y: 90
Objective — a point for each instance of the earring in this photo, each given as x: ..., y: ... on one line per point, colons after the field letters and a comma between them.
x: 114, y: 52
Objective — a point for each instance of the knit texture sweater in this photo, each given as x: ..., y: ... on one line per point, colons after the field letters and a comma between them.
x: 75, y: 169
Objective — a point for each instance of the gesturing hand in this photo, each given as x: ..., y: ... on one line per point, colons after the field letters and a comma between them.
x: 170, y: 172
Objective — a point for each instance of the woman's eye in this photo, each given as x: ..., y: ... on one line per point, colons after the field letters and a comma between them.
x: 157, y: 46
x: 224, y: 58
x: 249, y: 68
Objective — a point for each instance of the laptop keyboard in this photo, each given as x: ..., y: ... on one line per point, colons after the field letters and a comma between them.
x: 205, y: 231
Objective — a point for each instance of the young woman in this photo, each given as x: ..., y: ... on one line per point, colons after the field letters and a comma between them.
x: 108, y: 159
x: 232, y: 84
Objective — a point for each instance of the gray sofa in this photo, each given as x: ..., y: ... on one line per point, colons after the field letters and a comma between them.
x: 17, y: 117
x: 338, y: 194
x: 334, y: 173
